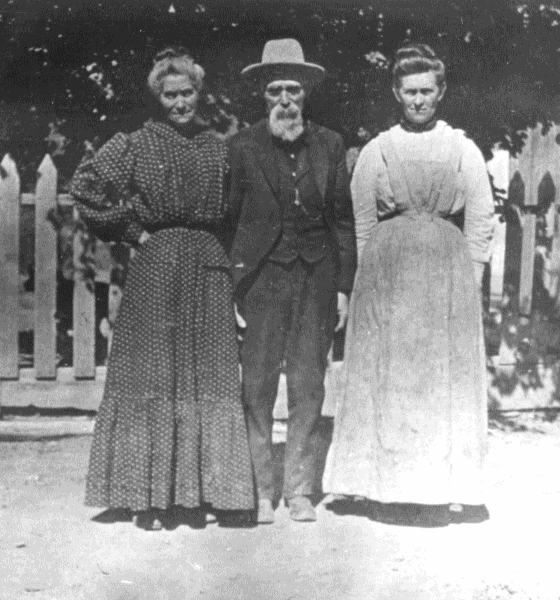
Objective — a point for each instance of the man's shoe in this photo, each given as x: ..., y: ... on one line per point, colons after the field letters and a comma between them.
x: 265, y: 512
x: 301, y: 509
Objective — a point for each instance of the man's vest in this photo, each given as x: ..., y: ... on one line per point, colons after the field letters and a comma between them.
x: 304, y: 231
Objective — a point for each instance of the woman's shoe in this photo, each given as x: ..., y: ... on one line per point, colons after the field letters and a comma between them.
x: 468, y: 513
x: 194, y: 517
x: 149, y: 520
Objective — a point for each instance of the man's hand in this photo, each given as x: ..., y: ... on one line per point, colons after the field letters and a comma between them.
x: 241, y: 323
x: 342, y: 309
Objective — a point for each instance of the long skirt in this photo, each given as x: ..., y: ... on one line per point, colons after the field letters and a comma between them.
x: 411, y: 425
x: 171, y: 428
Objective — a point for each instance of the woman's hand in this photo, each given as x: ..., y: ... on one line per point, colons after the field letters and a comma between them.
x: 479, y: 272
x: 342, y: 309
x: 144, y: 237
x: 241, y: 323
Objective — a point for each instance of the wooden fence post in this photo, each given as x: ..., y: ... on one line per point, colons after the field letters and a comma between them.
x: 83, y: 318
x: 554, y: 264
x: 498, y: 167
x: 45, y: 273
x: 521, y: 169
x: 9, y: 263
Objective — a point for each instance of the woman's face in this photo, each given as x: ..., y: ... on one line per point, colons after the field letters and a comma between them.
x: 179, y: 99
x: 419, y: 95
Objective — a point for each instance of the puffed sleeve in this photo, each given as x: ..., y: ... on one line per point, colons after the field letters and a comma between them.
x: 363, y: 188
x: 101, y: 188
x: 479, y: 205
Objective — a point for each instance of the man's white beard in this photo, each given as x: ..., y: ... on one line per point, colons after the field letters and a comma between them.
x: 286, y: 124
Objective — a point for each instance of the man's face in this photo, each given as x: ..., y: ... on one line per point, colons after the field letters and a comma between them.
x: 284, y: 101
x: 286, y: 93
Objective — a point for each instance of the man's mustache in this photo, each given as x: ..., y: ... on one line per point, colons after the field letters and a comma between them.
x: 292, y: 112
x: 286, y: 123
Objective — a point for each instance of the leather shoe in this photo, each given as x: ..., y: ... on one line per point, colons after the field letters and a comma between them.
x: 150, y: 520
x: 301, y: 509
x: 265, y: 513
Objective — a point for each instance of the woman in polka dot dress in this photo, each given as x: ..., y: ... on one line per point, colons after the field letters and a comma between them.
x: 170, y: 431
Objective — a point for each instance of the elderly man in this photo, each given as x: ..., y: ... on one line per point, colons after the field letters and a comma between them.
x: 293, y: 254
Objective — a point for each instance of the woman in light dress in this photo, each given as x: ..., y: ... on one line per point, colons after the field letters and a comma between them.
x: 410, y: 429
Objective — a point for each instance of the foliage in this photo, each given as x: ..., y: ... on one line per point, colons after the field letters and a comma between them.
x: 74, y: 72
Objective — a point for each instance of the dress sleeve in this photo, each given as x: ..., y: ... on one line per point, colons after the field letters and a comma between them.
x: 343, y: 220
x: 479, y: 203
x: 101, y: 188
x: 363, y: 188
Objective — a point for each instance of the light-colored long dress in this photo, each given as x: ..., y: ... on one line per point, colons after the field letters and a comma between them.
x: 411, y: 425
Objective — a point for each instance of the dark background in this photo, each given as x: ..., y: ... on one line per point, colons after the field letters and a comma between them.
x: 74, y: 71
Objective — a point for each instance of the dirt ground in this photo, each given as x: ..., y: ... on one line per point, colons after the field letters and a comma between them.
x: 51, y: 549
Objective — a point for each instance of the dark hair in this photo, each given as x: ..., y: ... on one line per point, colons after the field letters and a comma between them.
x: 417, y: 58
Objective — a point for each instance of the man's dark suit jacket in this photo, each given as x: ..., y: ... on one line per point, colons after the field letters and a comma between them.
x: 256, y: 213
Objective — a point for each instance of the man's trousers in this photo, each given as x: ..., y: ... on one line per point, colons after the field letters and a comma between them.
x: 290, y: 312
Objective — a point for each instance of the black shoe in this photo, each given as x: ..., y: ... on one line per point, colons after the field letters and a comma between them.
x: 149, y: 520
x: 177, y: 515
x: 468, y: 513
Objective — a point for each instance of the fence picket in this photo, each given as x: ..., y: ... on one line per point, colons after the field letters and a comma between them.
x: 498, y: 167
x: 83, y: 318
x: 528, y: 165
x: 532, y: 178
x: 554, y: 264
x: 45, y: 273
x: 529, y: 224
x: 523, y: 167
x: 9, y: 259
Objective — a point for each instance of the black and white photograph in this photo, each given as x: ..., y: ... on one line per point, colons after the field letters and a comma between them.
x: 279, y: 299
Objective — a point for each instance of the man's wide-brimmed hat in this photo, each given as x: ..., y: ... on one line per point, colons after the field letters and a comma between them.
x: 283, y: 59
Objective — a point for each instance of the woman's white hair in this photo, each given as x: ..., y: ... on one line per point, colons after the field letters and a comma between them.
x: 169, y: 62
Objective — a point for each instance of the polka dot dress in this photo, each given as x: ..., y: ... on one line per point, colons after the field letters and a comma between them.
x: 170, y: 429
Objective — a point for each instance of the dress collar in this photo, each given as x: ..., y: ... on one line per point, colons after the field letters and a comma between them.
x: 169, y: 132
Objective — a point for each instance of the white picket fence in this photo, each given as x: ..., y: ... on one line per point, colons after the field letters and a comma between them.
x: 535, y: 172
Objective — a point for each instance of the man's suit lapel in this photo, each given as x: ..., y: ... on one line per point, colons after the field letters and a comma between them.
x: 267, y: 158
x: 319, y: 161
